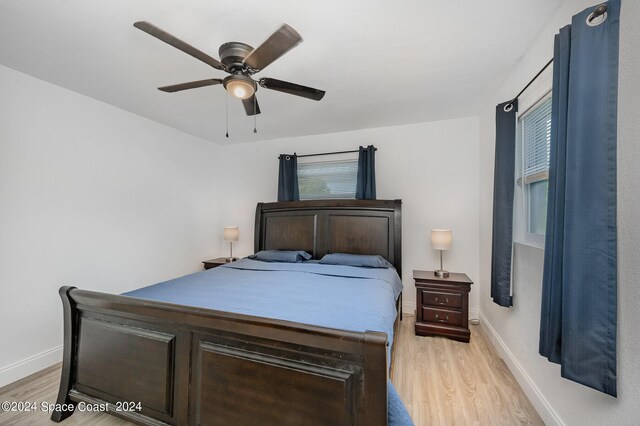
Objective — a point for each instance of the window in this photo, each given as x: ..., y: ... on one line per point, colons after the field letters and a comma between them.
x: 532, y: 166
x: 328, y: 179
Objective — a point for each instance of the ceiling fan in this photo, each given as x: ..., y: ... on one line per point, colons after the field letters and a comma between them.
x: 241, y: 61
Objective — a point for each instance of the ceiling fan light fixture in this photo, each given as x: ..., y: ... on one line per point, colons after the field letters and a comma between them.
x: 239, y: 86
x: 241, y: 61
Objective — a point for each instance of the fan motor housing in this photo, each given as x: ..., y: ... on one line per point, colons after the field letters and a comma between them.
x: 232, y: 54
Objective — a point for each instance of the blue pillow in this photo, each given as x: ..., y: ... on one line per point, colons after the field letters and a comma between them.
x: 281, y: 256
x: 369, y: 261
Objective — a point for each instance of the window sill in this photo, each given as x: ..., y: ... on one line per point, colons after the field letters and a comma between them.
x: 530, y: 244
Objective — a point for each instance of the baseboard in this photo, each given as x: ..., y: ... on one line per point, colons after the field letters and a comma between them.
x: 28, y: 366
x: 409, y: 309
x: 546, y: 411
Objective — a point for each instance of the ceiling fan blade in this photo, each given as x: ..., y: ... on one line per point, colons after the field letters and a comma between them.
x: 292, y: 88
x: 190, y: 85
x: 249, y: 105
x: 178, y: 44
x: 280, y: 42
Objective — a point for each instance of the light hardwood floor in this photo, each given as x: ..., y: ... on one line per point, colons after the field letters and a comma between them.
x: 442, y: 382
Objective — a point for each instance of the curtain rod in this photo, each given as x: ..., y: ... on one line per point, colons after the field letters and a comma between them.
x: 598, y: 11
x: 508, y: 106
x: 329, y: 153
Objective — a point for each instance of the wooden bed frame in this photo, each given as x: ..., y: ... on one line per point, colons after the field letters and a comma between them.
x: 194, y: 366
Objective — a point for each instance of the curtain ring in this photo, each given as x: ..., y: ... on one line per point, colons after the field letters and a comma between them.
x: 287, y: 158
x: 598, y: 16
x: 508, y: 107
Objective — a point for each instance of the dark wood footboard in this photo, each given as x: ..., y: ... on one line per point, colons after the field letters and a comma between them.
x: 187, y: 365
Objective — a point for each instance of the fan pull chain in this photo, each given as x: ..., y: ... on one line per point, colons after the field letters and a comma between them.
x: 226, y: 107
x: 255, y: 115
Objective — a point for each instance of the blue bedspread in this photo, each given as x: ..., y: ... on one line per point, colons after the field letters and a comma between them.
x: 334, y: 296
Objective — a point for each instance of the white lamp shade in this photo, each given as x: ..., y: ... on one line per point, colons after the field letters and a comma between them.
x: 231, y: 233
x: 441, y: 239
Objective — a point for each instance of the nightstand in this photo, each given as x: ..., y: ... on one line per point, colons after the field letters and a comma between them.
x: 212, y: 263
x: 442, y: 305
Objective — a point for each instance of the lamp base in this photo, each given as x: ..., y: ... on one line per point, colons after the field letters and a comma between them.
x: 440, y: 273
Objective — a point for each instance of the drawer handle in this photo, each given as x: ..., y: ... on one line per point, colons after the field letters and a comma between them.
x: 446, y: 301
x: 446, y: 318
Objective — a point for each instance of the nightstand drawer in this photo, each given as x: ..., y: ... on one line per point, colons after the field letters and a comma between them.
x: 450, y: 300
x: 443, y: 316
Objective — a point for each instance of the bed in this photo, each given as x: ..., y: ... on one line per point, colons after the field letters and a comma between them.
x: 189, y: 360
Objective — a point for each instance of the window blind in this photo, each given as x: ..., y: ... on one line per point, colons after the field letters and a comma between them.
x: 328, y: 179
x: 534, y: 143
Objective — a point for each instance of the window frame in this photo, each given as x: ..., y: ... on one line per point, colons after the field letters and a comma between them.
x: 522, y: 214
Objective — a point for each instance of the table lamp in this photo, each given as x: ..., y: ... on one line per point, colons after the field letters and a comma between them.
x: 441, y: 240
x: 231, y: 234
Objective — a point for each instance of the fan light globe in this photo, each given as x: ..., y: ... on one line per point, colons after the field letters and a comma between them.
x: 240, y: 89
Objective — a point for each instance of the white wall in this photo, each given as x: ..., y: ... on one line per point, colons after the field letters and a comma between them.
x: 432, y: 167
x: 515, y: 331
x: 91, y: 196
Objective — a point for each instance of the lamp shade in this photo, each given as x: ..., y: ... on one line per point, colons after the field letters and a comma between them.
x: 441, y: 239
x: 231, y: 233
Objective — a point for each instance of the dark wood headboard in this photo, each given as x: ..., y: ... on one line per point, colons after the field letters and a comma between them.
x: 332, y: 226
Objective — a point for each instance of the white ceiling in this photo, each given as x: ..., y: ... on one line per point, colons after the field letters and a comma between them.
x: 381, y: 62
